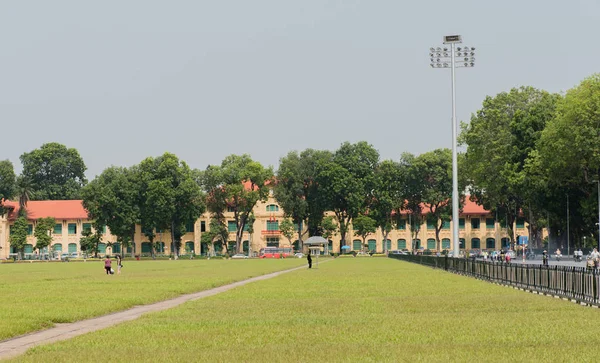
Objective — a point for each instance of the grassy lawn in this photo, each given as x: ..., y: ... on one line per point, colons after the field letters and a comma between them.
x: 371, y: 309
x: 35, y: 296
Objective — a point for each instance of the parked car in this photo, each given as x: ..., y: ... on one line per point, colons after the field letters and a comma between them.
x: 362, y: 253
x: 299, y: 255
x: 239, y: 256
x: 73, y: 255
x: 398, y: 252
x: 64, y: 256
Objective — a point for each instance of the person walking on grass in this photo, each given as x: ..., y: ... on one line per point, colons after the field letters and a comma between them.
x: 309, y: 259
x: 119, y: 264
x: 107, y: 265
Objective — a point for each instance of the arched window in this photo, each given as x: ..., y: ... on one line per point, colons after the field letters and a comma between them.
x: 146, y: 247
x: 372, y: 244
x: 475, y: 243
x: 160, y: 247
x: 272, y: 208
x: 417, y: 243
x: 72, y: 247
x: 189, y: 247
x: 446, y: 243
x: 102, y: 248
x: 431, y: 244
x: 401, y: 244
x: 356, y: 245
x: 490, y: 243
x: 388, y: 244
x: 57, y: 247
x: 505, y: 242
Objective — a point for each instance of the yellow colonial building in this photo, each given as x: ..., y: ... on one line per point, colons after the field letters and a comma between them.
x: 478, y: 230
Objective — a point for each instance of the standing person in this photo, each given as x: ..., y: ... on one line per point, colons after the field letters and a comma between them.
x: 595, y: 255
x: 107, y: 265
x: 545, y: 258
x: 119, y: 264
x: 309, y: 259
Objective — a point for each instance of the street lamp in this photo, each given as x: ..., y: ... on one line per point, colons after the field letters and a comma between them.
x: 455, y: 57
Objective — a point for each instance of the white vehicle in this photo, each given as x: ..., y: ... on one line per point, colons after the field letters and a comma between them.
x: 239, y: 256
x: 299, y: 255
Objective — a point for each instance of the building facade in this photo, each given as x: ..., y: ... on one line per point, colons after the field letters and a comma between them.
x: 478, y: 229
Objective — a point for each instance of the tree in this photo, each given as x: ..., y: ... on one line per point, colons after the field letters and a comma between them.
x: 286, y: 227
x: 364, y: 226
x: 297, y: 190
x: 347, y: 182
x: 217, y: 231
x: 24, y: 190
x: 236, y: 185
x: 328, y: 227
x: 434, y: 168
x: 501, y: 138
x: 112, y: 199
x: 387, y: 197
x: 90, y: 241
x: 568, y: 159
x: 170, y: 196
x: 414, y: 190
x: 43, y: 233
x: 18, y: 235
x: 55, y: 172
x: 7, y: 180
x: 250, y: 228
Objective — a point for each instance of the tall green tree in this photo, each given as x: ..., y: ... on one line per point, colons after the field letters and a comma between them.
x: 7, y: 180
x: 43, y: 233
x: 286, y: 227
x: 217, y: 231
x: 328, y: 227
x: 569, y: 157
x: 363, y: 226
x: 112, y: 199
x: 388, y: 197
x: 171, y: 197
x: 55, y: 171
x: 347, y: 182
x: 501, y: 138
x: 414, y: 192
x: 236, y: 185
x: 18, y: 235
x: 25, y: 192
x: 297, y: 190
x: 434, y: 168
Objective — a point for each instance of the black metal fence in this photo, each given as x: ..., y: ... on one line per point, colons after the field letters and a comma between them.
x: 575, y: 283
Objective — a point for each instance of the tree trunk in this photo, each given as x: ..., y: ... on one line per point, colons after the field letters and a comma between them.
x: 385, y: 238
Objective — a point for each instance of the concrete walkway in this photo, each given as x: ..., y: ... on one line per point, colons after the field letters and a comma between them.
x: 19, y: 345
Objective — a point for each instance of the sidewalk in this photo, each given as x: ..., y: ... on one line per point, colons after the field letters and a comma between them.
x: 19, y: 345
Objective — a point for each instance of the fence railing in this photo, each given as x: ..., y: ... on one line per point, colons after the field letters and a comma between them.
x: 576, y: 283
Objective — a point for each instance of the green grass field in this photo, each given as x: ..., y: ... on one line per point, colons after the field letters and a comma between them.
x: 37, y: 295
x: 369, y: 309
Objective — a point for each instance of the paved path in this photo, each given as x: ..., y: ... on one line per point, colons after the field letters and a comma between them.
x: 19, y: 345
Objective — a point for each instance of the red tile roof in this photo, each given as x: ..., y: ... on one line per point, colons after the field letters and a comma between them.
x: 470, y: 207
x: 59, y: 209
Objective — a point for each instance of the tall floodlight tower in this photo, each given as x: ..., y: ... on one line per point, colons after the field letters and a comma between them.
x: 451, y: 56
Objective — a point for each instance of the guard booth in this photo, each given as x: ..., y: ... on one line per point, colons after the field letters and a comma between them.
x: 315, y: 244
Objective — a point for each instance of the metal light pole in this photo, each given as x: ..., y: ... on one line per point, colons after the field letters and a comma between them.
x: 458, y: 57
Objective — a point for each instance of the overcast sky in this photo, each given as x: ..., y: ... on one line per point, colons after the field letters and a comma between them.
x: 121, y: 80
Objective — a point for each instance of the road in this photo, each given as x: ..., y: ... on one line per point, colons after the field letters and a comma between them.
x: 565, y: 261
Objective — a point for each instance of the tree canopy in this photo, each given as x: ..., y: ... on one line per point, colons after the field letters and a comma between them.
x: 55, y: 172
